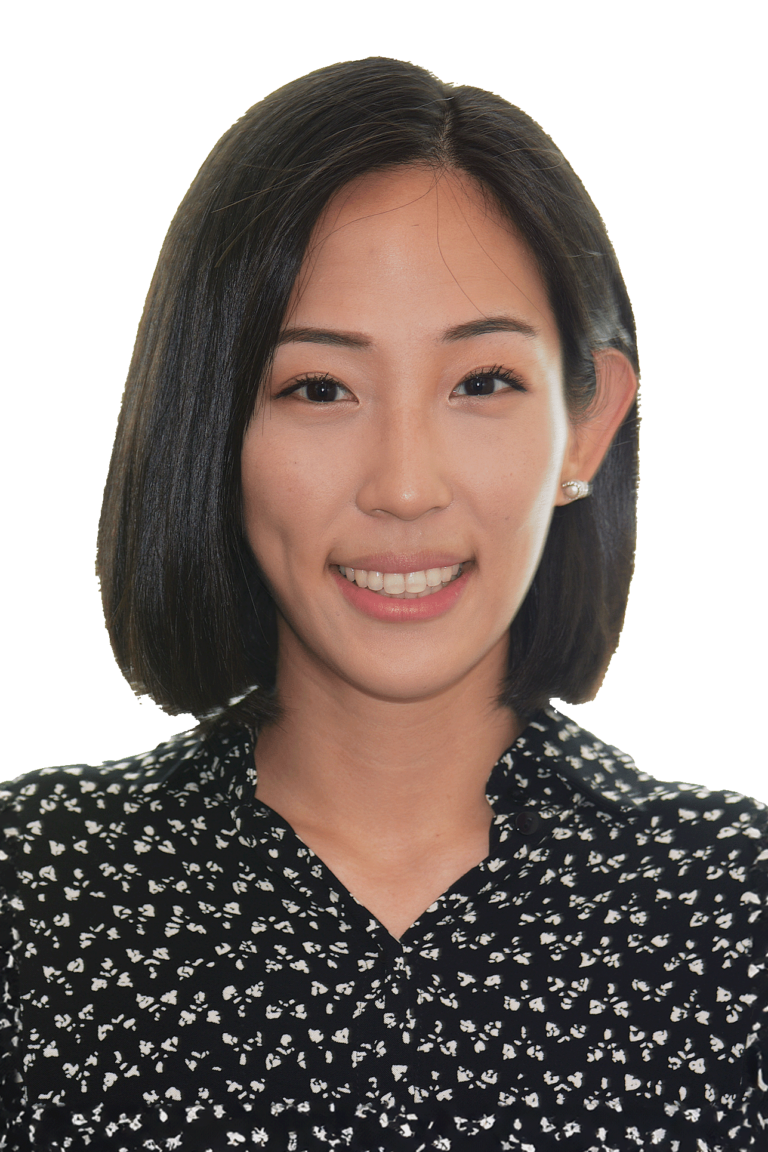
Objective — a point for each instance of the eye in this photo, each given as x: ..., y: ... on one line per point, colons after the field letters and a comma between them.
x: 487, y: 381
x: 483, y: 382
x: 317, y: 389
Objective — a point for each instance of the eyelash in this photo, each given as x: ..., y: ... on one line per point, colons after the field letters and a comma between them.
x: 497, y: 372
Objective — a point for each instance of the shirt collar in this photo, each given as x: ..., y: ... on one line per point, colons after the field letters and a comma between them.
x: 556, y: 744
x: 551, y: 759
x: 550, y: 742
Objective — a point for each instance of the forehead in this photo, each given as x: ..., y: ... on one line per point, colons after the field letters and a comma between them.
x: 419, y: 248
x: 387, y: 189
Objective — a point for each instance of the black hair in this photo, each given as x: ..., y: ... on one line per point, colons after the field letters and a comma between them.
x: 191, y: 621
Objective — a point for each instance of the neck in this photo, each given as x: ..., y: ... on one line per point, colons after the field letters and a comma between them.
x: 384, y: 777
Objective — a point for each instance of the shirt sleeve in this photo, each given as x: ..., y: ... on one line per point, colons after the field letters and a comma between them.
x: 758, y: 1039
x: 11, y: 1136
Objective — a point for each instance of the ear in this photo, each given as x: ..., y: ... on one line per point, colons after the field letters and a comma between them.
x: 590, y: 435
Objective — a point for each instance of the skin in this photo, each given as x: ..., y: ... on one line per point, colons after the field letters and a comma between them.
x: 391, y: 728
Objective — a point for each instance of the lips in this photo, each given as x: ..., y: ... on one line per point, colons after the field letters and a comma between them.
x: 402, y: 561
x: 425, y: 582
x: 402, y: 606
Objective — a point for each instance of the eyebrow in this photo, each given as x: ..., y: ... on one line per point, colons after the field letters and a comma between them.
x: 483, y: 327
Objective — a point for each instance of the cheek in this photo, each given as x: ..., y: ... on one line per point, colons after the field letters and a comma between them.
x: 267, y: 495
x: 513, y: 472
x: 288, y: 501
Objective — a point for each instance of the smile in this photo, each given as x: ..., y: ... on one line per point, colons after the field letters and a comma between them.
x: 403, y: 585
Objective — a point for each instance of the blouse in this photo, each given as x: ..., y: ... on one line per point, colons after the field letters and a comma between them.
x: 182, y: 972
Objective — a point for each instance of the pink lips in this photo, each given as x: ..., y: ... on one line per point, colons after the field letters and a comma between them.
x: 402, y: 611
x: 402, y: 561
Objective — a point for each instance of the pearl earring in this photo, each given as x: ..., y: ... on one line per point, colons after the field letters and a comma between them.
x: 576, y: 489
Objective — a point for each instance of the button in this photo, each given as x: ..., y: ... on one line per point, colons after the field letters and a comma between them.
x: 527, y: 823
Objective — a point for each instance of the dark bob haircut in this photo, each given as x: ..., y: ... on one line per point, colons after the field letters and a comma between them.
x: 190, y: 618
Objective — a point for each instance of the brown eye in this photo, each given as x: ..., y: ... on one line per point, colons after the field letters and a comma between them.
x: 320, y: 389
x: 480, y: 385
x: 489, y: 382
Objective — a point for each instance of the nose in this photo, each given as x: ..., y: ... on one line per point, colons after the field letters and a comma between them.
x: 406, y: 470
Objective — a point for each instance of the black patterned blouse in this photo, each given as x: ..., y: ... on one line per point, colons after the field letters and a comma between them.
x: 182, y: 972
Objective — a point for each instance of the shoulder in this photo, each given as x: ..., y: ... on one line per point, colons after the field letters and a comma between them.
x: 129, y: 774
x: 56, y: 806
x: 70, y: 835
x: 671, y: 811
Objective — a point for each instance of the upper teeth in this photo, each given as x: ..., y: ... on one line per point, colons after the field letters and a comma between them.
x: 396, y: 583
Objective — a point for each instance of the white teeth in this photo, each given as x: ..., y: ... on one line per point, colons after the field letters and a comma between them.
x: 415, y: 582
x: 408, y: 585
x: 394, y: 583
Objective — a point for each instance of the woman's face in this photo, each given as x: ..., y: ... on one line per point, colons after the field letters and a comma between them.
x: 414, y: 421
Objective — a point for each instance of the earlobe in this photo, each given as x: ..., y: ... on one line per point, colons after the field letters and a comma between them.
x: 592, y: 434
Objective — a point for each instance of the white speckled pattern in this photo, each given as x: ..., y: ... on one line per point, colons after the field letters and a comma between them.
x: 182, y: 972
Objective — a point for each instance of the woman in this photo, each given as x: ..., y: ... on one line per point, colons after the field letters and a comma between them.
x: 384, y: 897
